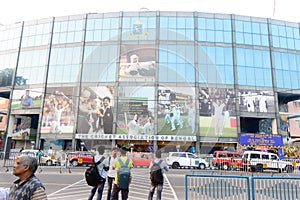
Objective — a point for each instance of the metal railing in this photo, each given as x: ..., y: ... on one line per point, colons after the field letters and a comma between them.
x: 215, y: 187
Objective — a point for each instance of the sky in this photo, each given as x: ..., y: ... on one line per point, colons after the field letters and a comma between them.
x: 13, y: 11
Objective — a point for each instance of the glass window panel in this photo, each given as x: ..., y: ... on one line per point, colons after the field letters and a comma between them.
x: 292, y: 61
x: 264, y: 29
x: 287, y: 79
x: 219, y: 24
x: 227, y: 37
x: 202, y: 35
x: 279, y: 79
x: 258, y: 59
x: 256, y: 40
x: 297, y: 44
x: 295, y: 82
x: 249, y: 57
x: 289, y: 32
x: 31, y: 66
x: 240, y: 57
x: 210, y: 36
x: 255, y: 27
x: 64, y: 65
x: 180, y: 63
x: 285, y: 63
x: 241, y: 75
x: 267, y: 77
x: 266, y: 59
x: 247, y: 27
x: 227, y: 25
x: 264, y: 40
x: 99, y: 64
x: 219, y: 36
x: 239, y: 27
x: 248, y: 38
x: 239, y: 38
x: 219, y: 56
x: 259, y: 76
x: 229, y: 74
x: 297, y: 57
x: 275, y: 30
x: 201, y: 23
x: 250, y: 76
x: 210, y: 24
x: 290, y: 43
x: 282, y: 31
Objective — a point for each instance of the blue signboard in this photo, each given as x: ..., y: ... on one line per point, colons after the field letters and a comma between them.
x: 252, y: 139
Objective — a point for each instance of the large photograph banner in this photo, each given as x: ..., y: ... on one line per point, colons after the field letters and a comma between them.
x: 217, y: 112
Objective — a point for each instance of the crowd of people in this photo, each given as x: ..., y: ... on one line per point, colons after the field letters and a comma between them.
x: 28, y: 186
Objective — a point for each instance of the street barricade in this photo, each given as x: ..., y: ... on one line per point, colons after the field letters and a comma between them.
x: 203, y: 186
x: 275, y: 187
x: 213, y: 187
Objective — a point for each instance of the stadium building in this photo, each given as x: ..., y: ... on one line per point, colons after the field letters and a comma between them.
x: 149, y: 79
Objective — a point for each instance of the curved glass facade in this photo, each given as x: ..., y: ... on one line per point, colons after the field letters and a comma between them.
x: 148, y: 78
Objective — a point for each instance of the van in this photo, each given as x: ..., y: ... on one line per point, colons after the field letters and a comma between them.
x: 185, y: 159
x: 258, y: 161
x: 227, y: 159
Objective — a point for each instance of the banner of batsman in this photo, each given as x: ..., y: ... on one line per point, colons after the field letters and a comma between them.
x: 137, y: 63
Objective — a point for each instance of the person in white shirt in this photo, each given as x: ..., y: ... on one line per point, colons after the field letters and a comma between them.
x: 111, y: 172
x: 148, y: 128
x: 133, y: 125
x: 102, y: 172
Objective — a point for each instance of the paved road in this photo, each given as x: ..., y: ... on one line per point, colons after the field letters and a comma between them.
x: 138, y: 189
x: 65, y: 184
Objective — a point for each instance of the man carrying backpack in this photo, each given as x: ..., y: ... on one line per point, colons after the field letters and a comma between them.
x: 157, y: 168
x: 123, y: 166
x: 102, y: 168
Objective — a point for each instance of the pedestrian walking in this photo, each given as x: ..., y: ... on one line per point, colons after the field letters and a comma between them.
x: 102, y: 168
x: 28, y: 186
x: 123, y: 177
x: 157, y: 168
x: 111, y: 172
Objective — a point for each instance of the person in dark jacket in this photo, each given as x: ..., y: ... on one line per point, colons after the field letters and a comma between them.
x: 28, y: 186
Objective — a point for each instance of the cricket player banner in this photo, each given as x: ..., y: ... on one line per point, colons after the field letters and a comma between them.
x: 58, y: 114
x: 217, y: 112
x: 135, y: 111
x: 137, y: 63
x: 176, y: 111
x: 95, y: 114
x: 27, y: 99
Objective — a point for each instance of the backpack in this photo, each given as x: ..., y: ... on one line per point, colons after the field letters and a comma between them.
x: 123, y: 174
x: 92, y: 176
x: 156, y: 175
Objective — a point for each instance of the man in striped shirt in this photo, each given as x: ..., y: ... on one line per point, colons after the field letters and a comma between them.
x: 28, y: 186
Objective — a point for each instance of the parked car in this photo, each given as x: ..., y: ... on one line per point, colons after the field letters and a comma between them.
x: 226, y: 160
x: 141, y: 159
x: 258, y: 161
x: 44, y: 158
x: 80, y: 158
x: 186, y: 159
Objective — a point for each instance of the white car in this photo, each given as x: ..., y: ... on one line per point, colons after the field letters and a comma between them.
x: 258, y: 161
x: 186, y: 159
x: 45, y: 159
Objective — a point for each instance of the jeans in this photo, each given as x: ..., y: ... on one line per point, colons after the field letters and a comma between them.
x: 100, y: 188
x: 110, y: 181
x: 115, y: 193
x: 152, y: 190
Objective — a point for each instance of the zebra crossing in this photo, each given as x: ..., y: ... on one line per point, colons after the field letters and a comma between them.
x: 138, y: 189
